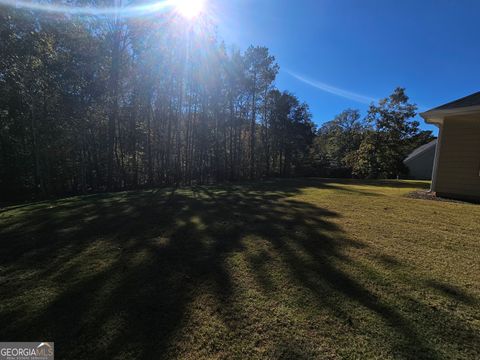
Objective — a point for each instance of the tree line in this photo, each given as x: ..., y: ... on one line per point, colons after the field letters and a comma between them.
x: 103, y: 104
x: 370, y: 147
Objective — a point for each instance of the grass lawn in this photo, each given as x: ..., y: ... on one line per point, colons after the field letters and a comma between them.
x: 294, y: 269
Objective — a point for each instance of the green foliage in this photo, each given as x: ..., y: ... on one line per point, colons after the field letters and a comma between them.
x: 393, y: 135
x: 394, y: 128
x: 93, y: 104
x: 337, y: 139
x: 364, y: 162
x: 88, y: 104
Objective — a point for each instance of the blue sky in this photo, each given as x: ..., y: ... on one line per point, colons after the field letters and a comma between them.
x: 336, y: 54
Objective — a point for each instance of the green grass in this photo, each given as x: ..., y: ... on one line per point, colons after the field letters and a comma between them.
x: 280, y: 269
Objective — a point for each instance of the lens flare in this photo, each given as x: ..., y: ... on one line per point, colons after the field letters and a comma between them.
x: 189, y: 8
x: 186, y: 8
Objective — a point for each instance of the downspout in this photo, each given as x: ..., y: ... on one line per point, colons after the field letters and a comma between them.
x: 437, y: 121
x: 433, y: 187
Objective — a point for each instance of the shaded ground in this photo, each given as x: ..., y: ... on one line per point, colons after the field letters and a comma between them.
x: 280, y: 269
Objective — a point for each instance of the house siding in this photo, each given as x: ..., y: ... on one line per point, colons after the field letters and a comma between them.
x: 459, y: 161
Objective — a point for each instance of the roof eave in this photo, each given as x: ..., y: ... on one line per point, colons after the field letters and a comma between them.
x: 437, y: 116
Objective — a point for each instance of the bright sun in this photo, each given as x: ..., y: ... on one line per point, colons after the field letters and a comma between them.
x: 189, y: 8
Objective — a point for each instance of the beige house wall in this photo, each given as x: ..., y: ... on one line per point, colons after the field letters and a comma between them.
x: 458, y: 172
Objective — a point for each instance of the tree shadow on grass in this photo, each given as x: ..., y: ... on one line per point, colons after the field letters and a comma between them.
x: 115, y: 276
x: 452, y: 292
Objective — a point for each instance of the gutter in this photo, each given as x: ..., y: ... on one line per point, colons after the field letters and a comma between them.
x: 436, y: 117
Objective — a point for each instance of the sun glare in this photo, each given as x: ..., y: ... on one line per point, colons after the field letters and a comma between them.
x: 189, y: 8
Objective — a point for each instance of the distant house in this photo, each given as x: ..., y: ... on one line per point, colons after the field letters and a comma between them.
x: 456, y: 170
x: 420, y: 161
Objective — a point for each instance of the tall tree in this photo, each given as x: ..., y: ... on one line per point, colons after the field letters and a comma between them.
x: 338, y: 138
x: 261, y: 72
x: 89, y: 104
x: 382, y: 152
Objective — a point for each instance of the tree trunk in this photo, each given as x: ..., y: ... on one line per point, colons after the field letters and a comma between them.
x: 113, y: 118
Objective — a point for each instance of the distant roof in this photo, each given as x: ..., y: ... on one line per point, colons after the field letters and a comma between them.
x: 420, y: 150
x: 470, y: 100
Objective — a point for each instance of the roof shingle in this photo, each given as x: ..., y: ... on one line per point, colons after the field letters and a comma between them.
x: 418, y: 151
x: 470, y: 100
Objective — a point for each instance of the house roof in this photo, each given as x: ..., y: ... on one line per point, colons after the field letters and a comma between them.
x: 470, y: 100
x: 465, y: 105
x: 420, y: 150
